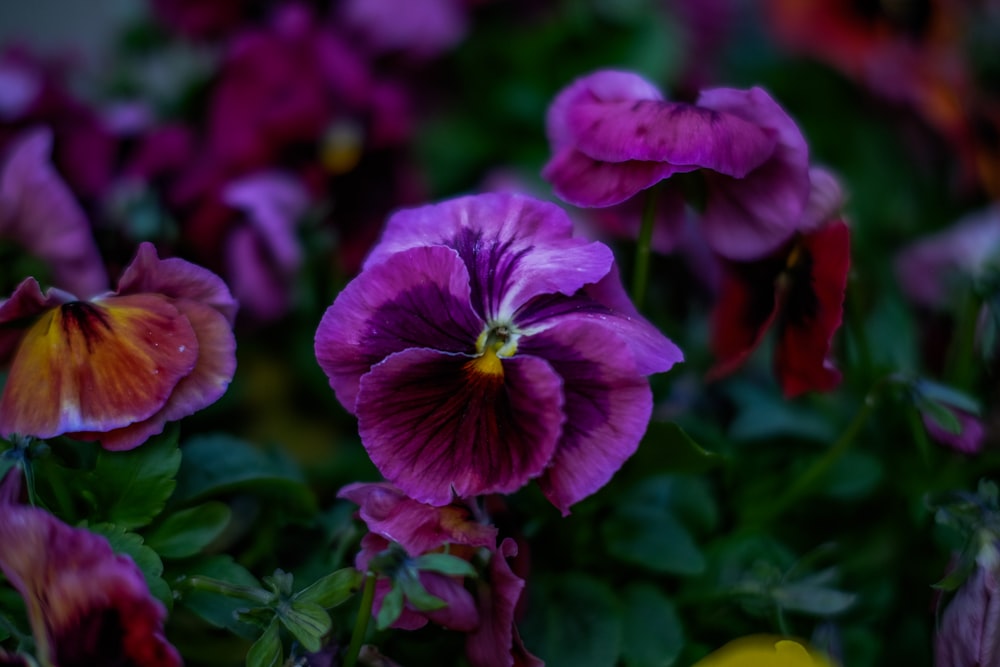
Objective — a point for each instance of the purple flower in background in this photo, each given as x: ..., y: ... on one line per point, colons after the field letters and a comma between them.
x: 613, y: 136
x: 38, y: 212
x: 969, y: 437
x: 932, y: 268
x: 421, y: 28
x: 969, y: 631
x: 86, y: 604
x: 486, y: 610
x: 483, y: 346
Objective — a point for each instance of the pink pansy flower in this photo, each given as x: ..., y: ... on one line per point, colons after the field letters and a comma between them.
x: 117, y: 366
x: 421, y: 28
x: 614, y: 136
x: 483, y: 346
x: 484, y: 609
x: 86, y: 604
x: 38, y: 212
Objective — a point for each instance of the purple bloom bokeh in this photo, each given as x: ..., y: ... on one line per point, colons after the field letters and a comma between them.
x: 613, y: 136
x: 969, y: 631
x: 483, y: 346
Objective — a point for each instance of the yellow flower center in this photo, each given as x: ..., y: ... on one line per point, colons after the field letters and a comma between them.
x: 494, y: 344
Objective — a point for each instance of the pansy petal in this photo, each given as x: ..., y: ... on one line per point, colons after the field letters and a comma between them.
x: 746, y: 308
x: 599, y: 86
x: 496, y: 642
x: 25, y: 304
x: 685, y: 135
x: 607, y: 405
x: 813, y: 312
x: 177, y: 279
x: 606, y: 304
x: 439, y: 425
x: 97, y: 366
x: 417, y: 527
x: 747, y: 218
x: 38, y: 210
x: 460, y: 614
x: 969, y: 438
x: 86, y: 604
x: 417, y: 298
x: 204, y: 385
x: 583, y: 181
x: 514, y: 247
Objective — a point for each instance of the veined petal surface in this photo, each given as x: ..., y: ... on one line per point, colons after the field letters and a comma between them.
x: 95, y: 366
x: 417, y: 298
x: 607, y: 406
x: 515, y: 247
x: 438, y: 426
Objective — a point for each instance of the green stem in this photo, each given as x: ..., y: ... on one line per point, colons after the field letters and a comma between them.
x: 822, y: 465
x: 856, y: 325
x: 361, y: 623
x: 960, y: 362
x: 640, y: 275
x: 209, y: 585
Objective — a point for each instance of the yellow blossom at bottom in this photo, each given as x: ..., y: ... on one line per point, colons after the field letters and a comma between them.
x: 764, y: 651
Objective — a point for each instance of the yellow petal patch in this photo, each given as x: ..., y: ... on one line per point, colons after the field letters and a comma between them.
x: 488, y: 363
x: 95, y: 366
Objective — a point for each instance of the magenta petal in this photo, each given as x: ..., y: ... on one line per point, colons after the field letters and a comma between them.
x: 417, y: 298
x: 437, y: 426
x: 496, y: 642
x: 177, y: 279
x: 584, y: 181
x: 606, y: 304
x: 600, y: 86
x: 607, y: 406
x: 417, y: 527
x: 461, y: 613
x: 38, y: 211
x: 685, y: 135
x: 514, y: 246
x: 747, y: 218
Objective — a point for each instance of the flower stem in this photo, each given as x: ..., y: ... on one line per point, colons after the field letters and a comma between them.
x: 821, y: 465
x: 960, y: 362
x: 361, y: 623
x: 640, y: 275
x: 209, y: 585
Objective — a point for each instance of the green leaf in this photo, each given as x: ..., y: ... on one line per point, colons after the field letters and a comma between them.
x: 949, y: 396
x: 666, y: 447
x: 764, y: 415
x: 132, y: 487
x: 131, y: 544
x: 653, y: 635
x: 392, y: 607
x: 445, y: 564
x: 215, y: 608
x: 807, y: 597
x: 307, y: 621
x: 941, y: 415
x: 573, y: 621
x: 186, y: 533
x: 333, y: 589
x: 221, y: 464
x: 416, y: 594
x: 266, y: 651
x: 656, y: 541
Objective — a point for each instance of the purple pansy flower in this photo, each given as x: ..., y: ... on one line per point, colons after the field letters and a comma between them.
x: 969, y: 632
x: 38, y: 211
x: 86, y: 604
x: 116, y: 367
x: 485, y: 610
x: 613, y: 136
x: 483, y: 346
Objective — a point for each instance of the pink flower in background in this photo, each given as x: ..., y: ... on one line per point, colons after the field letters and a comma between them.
x: 32, y: 94
x: 203, y: 19
x: 613, y: 136
x: 421, y: 28
x: 87, y: 605
x: 117, y: 366
x: 933, y: 270
x: 39, y: 213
